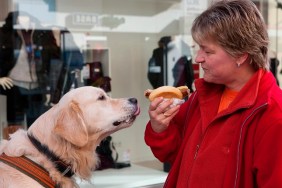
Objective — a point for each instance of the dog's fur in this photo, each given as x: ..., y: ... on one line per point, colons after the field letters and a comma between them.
x: 71, y: 129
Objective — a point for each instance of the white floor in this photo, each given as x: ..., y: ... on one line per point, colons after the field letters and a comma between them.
x: 129, y: 177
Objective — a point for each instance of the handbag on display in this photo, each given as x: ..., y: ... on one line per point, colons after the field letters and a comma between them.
x: 97, y: 78
x: 105, y: 152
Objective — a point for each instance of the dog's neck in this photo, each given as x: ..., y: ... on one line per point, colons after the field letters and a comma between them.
x: 61, y: 166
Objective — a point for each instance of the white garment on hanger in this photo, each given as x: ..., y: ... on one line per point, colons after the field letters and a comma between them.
x: 177, y: 48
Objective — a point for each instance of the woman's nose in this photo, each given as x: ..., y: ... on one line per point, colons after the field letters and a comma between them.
x: 199, y: 58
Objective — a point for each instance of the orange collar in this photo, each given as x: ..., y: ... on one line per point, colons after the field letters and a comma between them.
x: 29, y: 168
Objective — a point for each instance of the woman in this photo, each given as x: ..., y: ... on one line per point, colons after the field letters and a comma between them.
x: 229, y: 132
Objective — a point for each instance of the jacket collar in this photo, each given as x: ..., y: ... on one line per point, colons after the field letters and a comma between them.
x: 210, y: 94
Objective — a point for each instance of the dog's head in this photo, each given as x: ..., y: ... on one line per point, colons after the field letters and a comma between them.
x: 73, y: 128
x: 88, y: 113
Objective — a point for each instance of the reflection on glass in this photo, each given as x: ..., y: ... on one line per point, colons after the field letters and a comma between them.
x: 43, y: 63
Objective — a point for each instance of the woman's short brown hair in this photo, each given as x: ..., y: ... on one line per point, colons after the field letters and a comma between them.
x: 238, y: 27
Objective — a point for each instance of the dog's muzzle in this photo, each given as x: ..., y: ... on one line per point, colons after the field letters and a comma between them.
x: 134, y: 113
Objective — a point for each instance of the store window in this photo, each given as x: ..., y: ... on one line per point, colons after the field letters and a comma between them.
x: 50, y: 47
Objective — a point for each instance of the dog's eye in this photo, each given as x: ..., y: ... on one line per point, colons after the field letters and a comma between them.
x: 102, y: 97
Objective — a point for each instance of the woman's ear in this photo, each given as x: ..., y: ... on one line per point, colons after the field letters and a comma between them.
x: 242, y: 59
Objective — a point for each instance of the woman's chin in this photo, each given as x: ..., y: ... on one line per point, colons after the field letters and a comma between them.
x: 209, y: 79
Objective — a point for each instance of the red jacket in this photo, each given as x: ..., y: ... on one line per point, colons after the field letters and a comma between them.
x: 240, y: 147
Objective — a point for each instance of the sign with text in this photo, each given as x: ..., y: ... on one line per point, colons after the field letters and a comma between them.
x: 196, y: 6
x: 85, y: 19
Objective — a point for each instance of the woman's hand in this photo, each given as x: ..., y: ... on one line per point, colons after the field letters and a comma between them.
x: 161, y: 113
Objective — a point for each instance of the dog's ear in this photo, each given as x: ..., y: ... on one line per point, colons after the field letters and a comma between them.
x: 71, y: 126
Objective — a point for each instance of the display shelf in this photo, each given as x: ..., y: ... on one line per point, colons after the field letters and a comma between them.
x: 129, y: 177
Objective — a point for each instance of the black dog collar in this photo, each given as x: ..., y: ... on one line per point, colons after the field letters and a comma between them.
x: 60, y: 165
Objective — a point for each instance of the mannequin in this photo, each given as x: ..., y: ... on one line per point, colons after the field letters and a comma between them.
x: 24, y: 71
x: 157, y: 64
x: 6, y: 83
x: 274, y: 63
x: 179, y: 63
x: 26, y: 49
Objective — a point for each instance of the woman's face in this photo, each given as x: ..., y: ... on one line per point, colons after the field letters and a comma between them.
x: 217, y: 64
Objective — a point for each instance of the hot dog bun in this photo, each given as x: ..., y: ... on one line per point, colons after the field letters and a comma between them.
x: 167, y: 92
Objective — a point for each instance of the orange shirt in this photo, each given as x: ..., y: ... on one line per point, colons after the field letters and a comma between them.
x: 227, y: 97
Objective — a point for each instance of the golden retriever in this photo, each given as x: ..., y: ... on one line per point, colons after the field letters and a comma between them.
x: 70, y: 130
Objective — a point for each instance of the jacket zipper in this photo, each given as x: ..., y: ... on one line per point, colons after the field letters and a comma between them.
x: 238, y: 148
x: 240, y: 139
x: 196, y: 153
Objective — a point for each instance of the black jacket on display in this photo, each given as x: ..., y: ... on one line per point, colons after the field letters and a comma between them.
x: 41, y: 50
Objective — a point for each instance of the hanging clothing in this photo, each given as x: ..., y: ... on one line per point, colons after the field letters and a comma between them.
x: 183, y: 73
x: 156, y: 67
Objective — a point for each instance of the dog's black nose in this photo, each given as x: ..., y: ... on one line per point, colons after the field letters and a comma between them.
x: 133, y: 100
